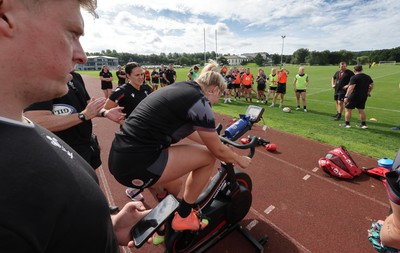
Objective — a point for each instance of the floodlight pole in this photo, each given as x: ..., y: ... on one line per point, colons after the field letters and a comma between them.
x: 283, y: 42
x: 205, y: 57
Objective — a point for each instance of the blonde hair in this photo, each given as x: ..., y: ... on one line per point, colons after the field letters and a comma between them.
x: 210, y: 76
x: 88, y: 5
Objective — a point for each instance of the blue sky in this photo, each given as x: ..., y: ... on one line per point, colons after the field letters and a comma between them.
x: 159, y: 26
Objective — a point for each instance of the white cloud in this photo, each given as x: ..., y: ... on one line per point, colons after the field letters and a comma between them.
x: 157, y: 26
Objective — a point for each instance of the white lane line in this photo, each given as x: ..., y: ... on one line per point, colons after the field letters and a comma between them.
x: 280, y: 231
x: 306, y: 177
x: 251, y: 225
x: 325, y: 179
x: 107, y: 190
x: 269, y: 209
x: 315, y: 169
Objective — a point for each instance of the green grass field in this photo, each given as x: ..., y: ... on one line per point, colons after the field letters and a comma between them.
x: 384, y: 105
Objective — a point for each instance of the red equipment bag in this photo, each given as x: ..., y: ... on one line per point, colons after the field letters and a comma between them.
x: 338, y: 162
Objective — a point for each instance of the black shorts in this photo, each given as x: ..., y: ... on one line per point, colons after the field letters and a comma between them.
x: 247, y: 86
x: 272, y: 88
x: 300, y: 91
x: 106, y: 86
x: 356, y: 103
x: 281, y: 88
x: 236, y: 85
x: 393, y: 186
x: 261, y: 87
x: 127, y: 171
x: 339, y: 96
x: 230, y: 86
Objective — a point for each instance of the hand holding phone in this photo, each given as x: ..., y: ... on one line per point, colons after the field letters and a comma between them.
x: 149, y: 224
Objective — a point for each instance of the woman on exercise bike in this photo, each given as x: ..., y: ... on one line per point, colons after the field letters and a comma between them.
x: 142, y: 154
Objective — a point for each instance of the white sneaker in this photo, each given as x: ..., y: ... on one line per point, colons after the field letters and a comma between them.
x: 297, y: 108
x: 225, y: 100
x: 258, y: 101
x: 362, y: 126
x: 131, y: 192
x: 272, y: 105
x: 305, y: 110
x: 280, y: 105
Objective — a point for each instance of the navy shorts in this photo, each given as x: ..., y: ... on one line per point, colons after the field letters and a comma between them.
x: 128, y: 171
x: 281, y: 88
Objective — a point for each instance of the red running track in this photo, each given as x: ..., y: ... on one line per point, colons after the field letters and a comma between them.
x: 297, y: 205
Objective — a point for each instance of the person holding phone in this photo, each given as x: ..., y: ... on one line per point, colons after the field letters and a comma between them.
x: 142, y: 154
x: 65, y: 210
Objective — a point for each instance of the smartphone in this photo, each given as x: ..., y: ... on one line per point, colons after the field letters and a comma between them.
x: 149, y: 224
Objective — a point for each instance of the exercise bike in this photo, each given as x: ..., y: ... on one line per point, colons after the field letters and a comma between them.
x: 227, y: 198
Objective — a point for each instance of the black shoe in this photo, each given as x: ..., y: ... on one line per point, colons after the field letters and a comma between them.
x: 113, y: 209
x: 337, y: 118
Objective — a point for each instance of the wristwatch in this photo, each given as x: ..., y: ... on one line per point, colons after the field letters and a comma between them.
x: 82, y: 116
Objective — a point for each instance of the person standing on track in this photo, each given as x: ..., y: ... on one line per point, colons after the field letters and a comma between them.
x: 106, y: 78
x: 121, y: 75
x: 66, y: 210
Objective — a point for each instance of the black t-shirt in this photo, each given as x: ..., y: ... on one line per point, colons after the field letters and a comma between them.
x: 74, y: 101
x: 229, y: 78
x: 121, y: 80
x: 161, y: 73
x: 342, y: 79
x: 51, y: 200
x: 361, y: 82
x: 164, y: 118
x: 129, y: 97
x: 154, y: 77
x: 170, y: 74
x: 106, y: 75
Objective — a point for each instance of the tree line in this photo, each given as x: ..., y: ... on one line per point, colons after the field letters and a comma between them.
x: 302, y: 55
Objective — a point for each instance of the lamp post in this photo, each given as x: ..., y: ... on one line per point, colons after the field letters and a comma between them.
x: 283, y: 42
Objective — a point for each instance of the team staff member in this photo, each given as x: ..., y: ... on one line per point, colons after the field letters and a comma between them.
x: 106, y: 78
x: 247, y: 81
x: 142, y: 154
x: 155, y: 79
x: 281, y: 87
x: 121, y: 75
x: 170, y: 74
x: 66, y: 210
x: 129, y: 95
x: 360, y: 87
x: 161, y: 72
x: 340, y: 81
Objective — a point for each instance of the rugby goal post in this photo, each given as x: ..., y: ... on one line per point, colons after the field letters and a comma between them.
x: 387, y: 62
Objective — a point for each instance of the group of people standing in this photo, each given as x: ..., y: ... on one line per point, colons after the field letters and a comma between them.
x: 352, y: 90
x: 240, y: 82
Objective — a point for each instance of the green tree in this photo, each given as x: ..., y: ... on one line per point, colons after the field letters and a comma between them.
x: 223, y: 61
x: 259, y: 60
x: 299, y: 56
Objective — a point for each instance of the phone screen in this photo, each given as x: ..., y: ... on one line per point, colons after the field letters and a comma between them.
x: 149, y: 224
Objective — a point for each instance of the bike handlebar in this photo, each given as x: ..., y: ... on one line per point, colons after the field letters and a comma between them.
x: 251, y: 145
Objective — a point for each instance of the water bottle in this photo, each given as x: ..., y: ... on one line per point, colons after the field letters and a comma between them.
x: 236, y: 127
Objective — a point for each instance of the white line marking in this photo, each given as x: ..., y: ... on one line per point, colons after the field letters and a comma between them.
x: 306, y: 177
x: 269, y: 209
x: 325, y: 179
x: 315, y: 169
x: 107, y: 190
x: 252, y: 224
x: 277, y: 229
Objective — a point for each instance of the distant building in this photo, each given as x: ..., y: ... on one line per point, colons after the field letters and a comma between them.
x: 236, y: 59
x: 97, y: 62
